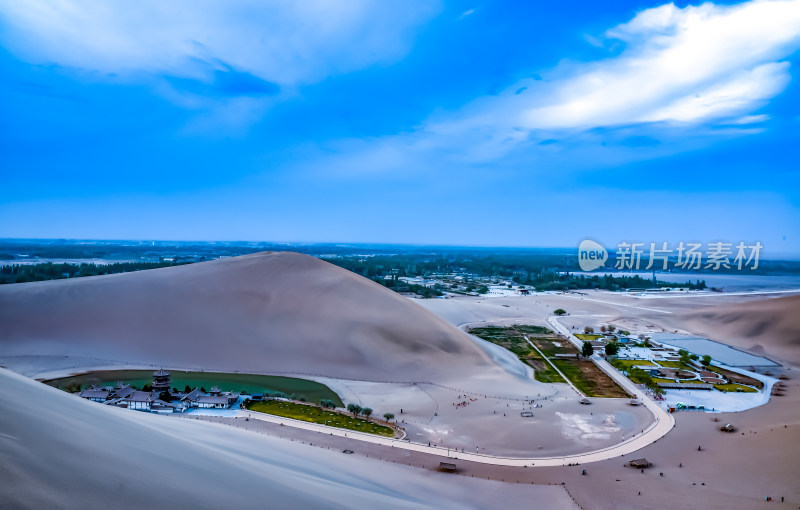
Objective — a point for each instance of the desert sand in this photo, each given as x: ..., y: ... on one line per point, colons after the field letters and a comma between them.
x: 733, y: 470
x: 261, y: 298
x: 59, y: 451
x: 267, y: 312
x: 291, y: 314
x: 767, y: 326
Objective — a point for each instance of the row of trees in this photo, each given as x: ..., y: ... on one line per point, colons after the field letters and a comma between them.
x: 611, y: 349
x: 686, y: 358
x: 400, y: 286
x: 22, y: 273
x: 588, y: 330
x: 639, y: 376
x: 327, y: 404
x: 356, y: 410
x: 566, y: 281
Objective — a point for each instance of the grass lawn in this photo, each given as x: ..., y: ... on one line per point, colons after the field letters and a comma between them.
x: 542, y: 371
x: 583, y: 336
x: 625, y: 364
x: 671, y: 364
x: 735, y: 387
x: 592, y: 381
x: 317, y: 415
x: 246, y: 383
x: 533, y: 330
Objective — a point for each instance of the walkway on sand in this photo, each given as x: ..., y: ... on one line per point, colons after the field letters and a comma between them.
x: 628, y: 446
x: 659, y: 428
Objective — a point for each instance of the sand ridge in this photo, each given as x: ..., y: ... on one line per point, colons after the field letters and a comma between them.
x: 265, y: 312
x: 58, y: 451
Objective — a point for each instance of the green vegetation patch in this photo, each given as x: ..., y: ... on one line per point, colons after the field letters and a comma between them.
x: 292, y: 387
x: 533, y: 330
x: 23, y: 273
x: 676, y: 364
x: 513, y: 339
x: 735, y: 387
x: 315, y: 414
x: 589, y: 338
x: 589, y: 379
x: 625, y: 364
x: 639, y: 376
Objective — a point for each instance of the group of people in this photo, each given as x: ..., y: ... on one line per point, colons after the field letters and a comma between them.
x: 464, y: 403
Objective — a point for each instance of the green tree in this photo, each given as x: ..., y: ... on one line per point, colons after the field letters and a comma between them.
x: 354, y: 408
x: 706, y: 360
x: 588, y: 330
x: 560, y: 311
x: 483, y: 289
x: 388, y: 416
x: 366, y: 411
x: 587, y: 349
x: 612, y: 348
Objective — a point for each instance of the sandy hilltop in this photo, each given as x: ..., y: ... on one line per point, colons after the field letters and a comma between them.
x: 262, y: 313
x: 768, y: 327
x: 285, y: 313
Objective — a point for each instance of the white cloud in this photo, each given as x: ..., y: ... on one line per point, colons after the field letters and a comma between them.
x: 685, y: 65
x: 283, y: 42
x: 681, y: 72
x: 750, y: 119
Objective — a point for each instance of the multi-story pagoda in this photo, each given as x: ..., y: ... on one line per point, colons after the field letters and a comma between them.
x: 161, y: 382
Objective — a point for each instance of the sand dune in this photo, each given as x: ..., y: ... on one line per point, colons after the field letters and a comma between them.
x: 58, y: 451
x: 266, y: 312
x: 768, y: 327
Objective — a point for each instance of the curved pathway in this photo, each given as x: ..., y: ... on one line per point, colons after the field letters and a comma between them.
x: 664, y: 422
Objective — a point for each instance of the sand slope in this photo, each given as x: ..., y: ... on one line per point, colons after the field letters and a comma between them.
x: 266, y: 312
x: 58, y: 451
x: 768, y: 327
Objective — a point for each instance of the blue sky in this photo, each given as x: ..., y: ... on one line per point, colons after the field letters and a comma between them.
x: 478, y: 123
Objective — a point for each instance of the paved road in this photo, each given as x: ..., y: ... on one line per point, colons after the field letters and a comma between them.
x: 664, y: 421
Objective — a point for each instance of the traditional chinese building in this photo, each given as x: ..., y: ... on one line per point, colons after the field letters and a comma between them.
x: 161, y: 381
x: 161, y: 399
